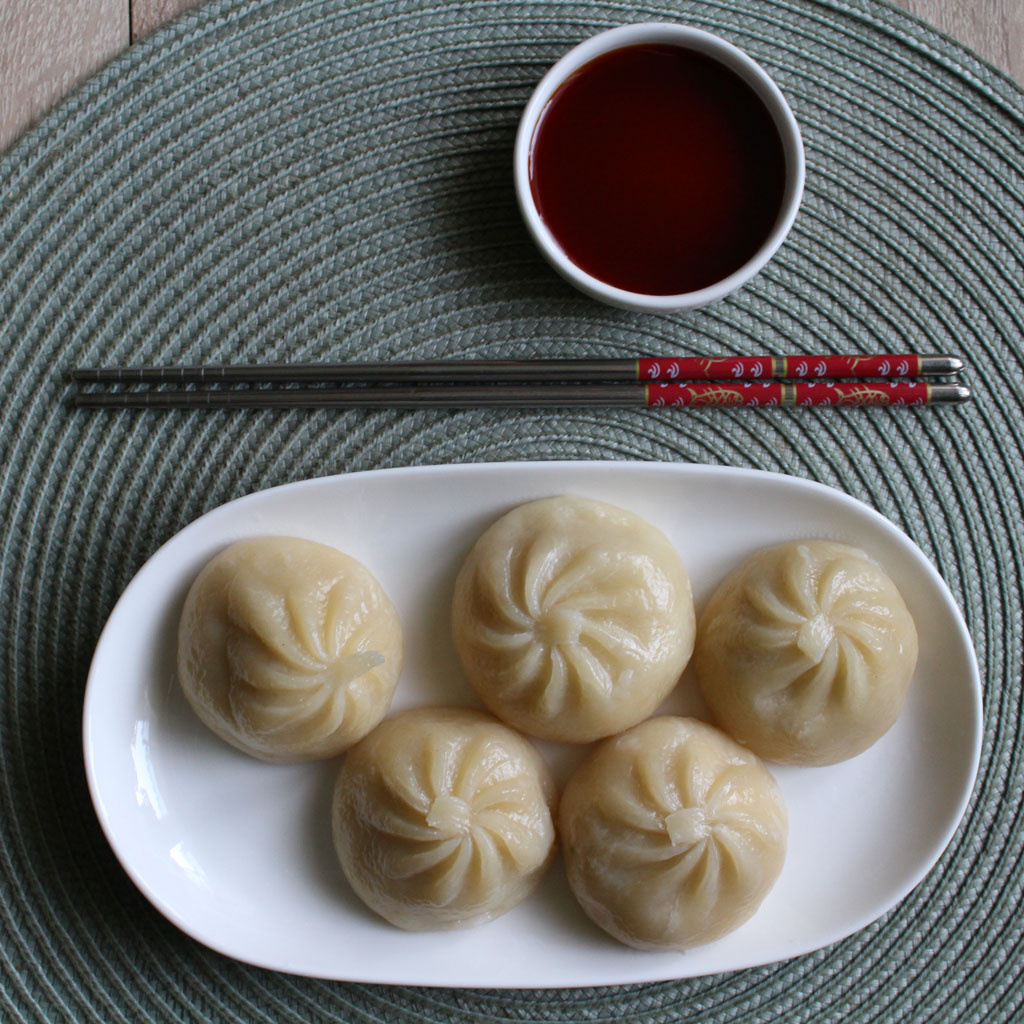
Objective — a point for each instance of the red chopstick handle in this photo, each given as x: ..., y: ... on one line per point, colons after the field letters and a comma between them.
x: 790, y: 393
x: 777, y: 367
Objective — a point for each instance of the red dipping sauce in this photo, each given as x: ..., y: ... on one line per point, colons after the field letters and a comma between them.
x: 657, y: 169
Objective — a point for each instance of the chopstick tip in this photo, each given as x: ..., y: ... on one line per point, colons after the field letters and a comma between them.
x: 942, y: 365
x: 950, y: 394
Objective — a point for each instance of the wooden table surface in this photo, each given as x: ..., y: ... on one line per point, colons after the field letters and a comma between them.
x: 47, y: 46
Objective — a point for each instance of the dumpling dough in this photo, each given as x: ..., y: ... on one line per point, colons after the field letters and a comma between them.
x: 442, y: 818
x: 288, y: 649
x: 805, y: 652
x: 573, y: 619
x: 672, y: 834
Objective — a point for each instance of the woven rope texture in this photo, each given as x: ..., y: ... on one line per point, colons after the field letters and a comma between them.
x: 303, y: 180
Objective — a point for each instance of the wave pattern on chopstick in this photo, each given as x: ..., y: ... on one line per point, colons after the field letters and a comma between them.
x: 788, y: 367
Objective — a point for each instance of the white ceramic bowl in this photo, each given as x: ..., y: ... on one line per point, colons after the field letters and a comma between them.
x: 730, y: 57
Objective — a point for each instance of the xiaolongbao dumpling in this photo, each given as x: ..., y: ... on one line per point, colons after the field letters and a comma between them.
x: 672, y: 834
x: 442, y: 818
x: 288, y: 649
x: 573, y: 619
x: 805, y: 652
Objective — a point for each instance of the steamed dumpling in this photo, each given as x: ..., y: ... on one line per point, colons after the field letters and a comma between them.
x: 573, y: 619
x: 805, y: 652
x: 442, y: 819
x: 672, y: 834
x: 288, y: 649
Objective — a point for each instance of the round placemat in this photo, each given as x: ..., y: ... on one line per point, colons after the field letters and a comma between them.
x: 309, y: 180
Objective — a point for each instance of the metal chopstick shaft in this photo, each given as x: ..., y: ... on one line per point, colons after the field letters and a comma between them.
x: 426, y: 371
x: 454, y: 396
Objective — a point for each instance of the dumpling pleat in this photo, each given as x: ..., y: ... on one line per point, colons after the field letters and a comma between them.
x: 307, y: 619
x: 542, y: 562
x: 590, y: 671
x: 261, y: 615
x: 426, y: 856
x: 450, y: 883
x: 554, y: 690
x: 771, y: 608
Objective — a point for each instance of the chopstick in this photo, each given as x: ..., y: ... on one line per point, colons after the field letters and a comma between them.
x: 461, y: 396
x: 536, y: 371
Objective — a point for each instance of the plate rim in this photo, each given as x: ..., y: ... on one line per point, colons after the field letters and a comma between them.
x: 886, y: 526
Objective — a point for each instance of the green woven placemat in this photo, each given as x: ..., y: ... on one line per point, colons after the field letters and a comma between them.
x: 299, y: 180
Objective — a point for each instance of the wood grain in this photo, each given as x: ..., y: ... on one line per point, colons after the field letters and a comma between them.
x: 150, y: 14
x: 994, y: 29
x: 47, y: 48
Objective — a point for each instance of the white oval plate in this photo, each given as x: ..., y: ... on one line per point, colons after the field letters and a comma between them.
x: 238, y: 853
